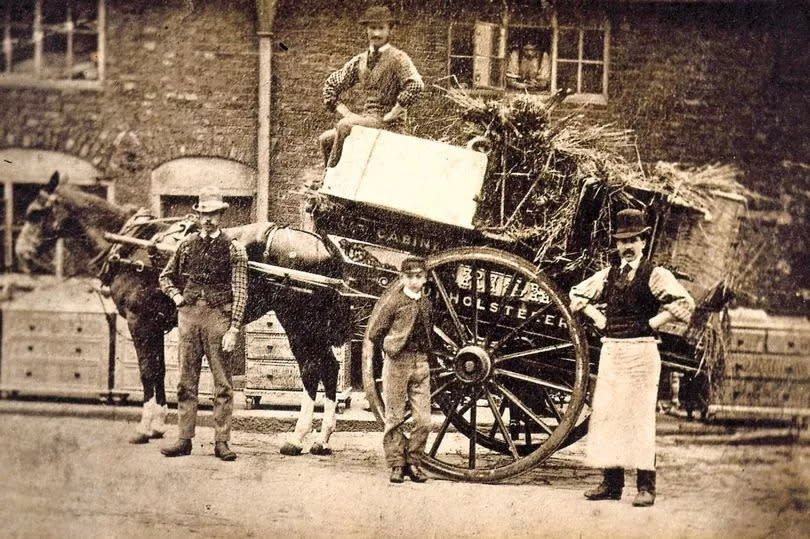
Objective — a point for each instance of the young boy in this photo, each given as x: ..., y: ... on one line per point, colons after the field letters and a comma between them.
x: 402, y: 328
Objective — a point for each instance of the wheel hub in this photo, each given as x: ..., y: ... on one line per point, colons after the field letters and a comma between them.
x: 473, y: 364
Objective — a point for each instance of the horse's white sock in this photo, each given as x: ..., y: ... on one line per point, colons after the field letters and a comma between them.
x: 304, y: 423
x: 329, y: 420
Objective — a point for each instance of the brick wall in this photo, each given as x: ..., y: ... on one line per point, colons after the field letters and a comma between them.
x: 694, y: 82
x: 180, y: 82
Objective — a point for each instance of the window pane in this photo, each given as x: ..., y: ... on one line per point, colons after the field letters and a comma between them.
x: 237, y: 214
x: 85, y: 57
x: 24, y: 194
x: 567, y: 76
x: 529, y: 58
x: 462, y: 69
x: 568, y: 44
x: 594, y: 45
x: 461, y: 40
x: 592, y: 78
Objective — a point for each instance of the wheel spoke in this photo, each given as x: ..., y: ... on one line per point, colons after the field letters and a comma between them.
x: 446, y: 423
x: 501, y: 304
x: 442, y: 388
x: 533, y: 352
x: 450, y: 310
x: 515, y: 331
x: 494, y: 426
x: 531, y: 379
x: 520, y: 404
x: 551, y: 405
x: 501, y: 425
x: 445, y: 337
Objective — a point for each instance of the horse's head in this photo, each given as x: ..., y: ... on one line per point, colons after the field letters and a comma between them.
x: 35, y: 245
x: 63, y: 211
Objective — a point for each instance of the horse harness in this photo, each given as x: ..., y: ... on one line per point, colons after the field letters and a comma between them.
x: 139, y: 259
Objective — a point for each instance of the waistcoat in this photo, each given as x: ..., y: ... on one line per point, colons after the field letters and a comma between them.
x: 630, y: 305
x: 419, y: 340
x: 381, y: 85
x: 207, y: 270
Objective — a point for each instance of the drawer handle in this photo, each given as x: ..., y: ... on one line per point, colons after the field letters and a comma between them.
x: 79, y: 329
x: 30, y: 347
x: 32, y: 327
x: 270, y: 347
x: 77, y: 375
x: 28, y: 373
x: 269, y: 376
x: 78, y: 350
x: 269, y: 323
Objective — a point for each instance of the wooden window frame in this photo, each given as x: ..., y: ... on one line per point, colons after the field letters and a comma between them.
x: 9, y: 78
x: 554, y: 27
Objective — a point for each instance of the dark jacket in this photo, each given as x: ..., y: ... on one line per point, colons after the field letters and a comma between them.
x: 392, y: 325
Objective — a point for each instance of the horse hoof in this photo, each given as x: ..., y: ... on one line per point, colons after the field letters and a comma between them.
x: 318, y: 449
x: 290, y: 450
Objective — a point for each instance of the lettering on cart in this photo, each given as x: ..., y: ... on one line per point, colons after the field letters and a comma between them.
x: 521, y: 312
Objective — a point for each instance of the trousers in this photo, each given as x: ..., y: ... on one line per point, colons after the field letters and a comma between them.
x: 333, y: 139
x: 406, y: 378
x: 201, y: 331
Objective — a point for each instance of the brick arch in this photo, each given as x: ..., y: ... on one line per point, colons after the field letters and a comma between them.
x: 91, y: 146
x: 185, y: 176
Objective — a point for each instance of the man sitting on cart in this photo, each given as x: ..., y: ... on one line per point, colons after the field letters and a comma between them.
x: 388, y: 80
x: 639, y: 298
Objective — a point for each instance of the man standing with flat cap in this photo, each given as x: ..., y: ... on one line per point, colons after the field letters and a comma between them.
x: 207, y: 279
x: 401, y: 326
x: 639, y: 298
x: 388, y: 80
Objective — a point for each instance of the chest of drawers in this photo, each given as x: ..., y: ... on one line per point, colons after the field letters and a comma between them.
x: 271, y: 370
x: 56, y: 341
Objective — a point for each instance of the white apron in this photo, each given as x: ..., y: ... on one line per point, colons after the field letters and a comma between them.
x: 622, y: 425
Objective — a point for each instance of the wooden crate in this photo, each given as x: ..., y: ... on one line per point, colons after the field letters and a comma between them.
x: 271, y: 371
x: 56, y: 342
x: 127, y: 373
x: 766, y: 368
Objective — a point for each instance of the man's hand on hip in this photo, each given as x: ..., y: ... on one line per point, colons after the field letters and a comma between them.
x: 394, y: 113
x: 229, y: 340
x: 178, y: 300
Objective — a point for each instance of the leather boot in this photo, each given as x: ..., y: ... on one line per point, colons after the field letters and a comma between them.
x: 415, y: 473
x: 223, y: 452
x: 180, y: 448
x: 611, y: 486
x: 396, y: 475
x: 645, y: 481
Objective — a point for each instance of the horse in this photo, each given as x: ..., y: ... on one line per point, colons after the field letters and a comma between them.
x: 314, y: 320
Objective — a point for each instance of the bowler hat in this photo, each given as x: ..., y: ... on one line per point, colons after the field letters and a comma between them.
x: 378, y: 14
x: 630, y: 223
x: 413, y: 264
x: 210, y: 200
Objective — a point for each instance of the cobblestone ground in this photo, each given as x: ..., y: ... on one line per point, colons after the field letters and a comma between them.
x: 79, y: 478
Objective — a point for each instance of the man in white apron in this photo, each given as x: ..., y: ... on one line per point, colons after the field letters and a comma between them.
x: 638, y: 298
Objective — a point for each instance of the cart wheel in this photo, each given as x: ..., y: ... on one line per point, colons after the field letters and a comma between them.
x: 509, y: 369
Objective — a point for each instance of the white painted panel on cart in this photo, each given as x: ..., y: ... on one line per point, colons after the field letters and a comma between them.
x: 409, y: 175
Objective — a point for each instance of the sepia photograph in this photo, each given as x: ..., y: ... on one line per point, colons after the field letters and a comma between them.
x: 405, y: 268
